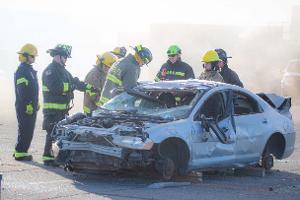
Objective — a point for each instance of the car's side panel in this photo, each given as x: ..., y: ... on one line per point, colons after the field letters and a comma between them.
x: 250, y: 131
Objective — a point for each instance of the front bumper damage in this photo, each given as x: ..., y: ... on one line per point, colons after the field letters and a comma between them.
x: 115, y: 147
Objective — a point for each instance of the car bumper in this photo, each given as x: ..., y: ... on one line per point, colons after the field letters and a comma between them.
x: 65, y: 145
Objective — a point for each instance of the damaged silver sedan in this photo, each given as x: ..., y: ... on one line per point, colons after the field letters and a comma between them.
x: 178, y: 126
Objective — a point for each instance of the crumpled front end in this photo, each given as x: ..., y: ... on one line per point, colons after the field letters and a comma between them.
x: 102, y: 143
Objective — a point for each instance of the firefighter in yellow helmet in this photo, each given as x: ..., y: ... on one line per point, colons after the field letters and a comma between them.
x: 210, y: 64
x: 26, y: 89
x: 120, y: 52
x: 96, y: 77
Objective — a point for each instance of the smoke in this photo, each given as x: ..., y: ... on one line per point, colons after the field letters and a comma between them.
x: 260, y: 52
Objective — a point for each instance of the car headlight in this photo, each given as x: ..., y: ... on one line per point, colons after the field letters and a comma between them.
x: 132, y: 142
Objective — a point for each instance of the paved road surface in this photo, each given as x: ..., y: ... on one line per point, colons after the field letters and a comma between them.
x: 32, y: 180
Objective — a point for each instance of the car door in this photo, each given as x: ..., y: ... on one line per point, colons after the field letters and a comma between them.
x: 214, y: 141
x: 250, y: 121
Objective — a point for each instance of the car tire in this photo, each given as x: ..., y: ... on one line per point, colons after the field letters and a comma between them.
x: 267, y: 160
x: 166, y: 168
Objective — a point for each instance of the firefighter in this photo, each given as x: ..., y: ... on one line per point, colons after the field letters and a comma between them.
x: 211, y: 67
x: 175, y: 68
x: 97, y: 77
x: 228, y: 74
x: 120, y: 52
x: 26, y: 89
x: 125, y: 73
x: 58, y: 87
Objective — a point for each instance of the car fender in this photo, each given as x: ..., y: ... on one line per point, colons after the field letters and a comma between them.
x: 178, y: 129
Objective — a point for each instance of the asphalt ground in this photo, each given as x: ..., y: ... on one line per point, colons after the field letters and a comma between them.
x: 33, y: 180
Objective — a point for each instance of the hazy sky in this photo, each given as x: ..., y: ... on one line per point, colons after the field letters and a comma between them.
x: 93, y: 26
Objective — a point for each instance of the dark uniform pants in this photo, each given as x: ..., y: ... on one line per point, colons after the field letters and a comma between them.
x: 26, y: 124
x: 48, y: 124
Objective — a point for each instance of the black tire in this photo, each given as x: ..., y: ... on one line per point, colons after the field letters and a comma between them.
x: 267, y: 159
x: 166, y: 168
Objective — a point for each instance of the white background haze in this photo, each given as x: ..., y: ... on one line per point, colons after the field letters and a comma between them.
x: 95, y: 26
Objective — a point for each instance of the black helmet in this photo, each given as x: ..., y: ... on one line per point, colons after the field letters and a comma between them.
x: 222, y: 54
x: 61, y: 49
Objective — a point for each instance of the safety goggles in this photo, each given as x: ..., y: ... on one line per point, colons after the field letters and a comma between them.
x: 172, y: 55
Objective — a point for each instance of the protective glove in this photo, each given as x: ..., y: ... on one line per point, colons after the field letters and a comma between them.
x: 95, y: 90
x: 29, y: 109
x: 91, y: 90
x: 79, y: 85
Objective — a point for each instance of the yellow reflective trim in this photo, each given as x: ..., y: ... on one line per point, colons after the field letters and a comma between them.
x: 139, y: 47
x: 45, y: 158
x: 177, y: 99
x: 156, y: 79
x: 86, y: 109
x: 57, y: 106
x: 114, y: 79
x: 90, y: 93
x: 179, y: 73
x: 45, y: 88
x: 88, y: 86
x: 98, y: 103
x: 21, y: 154
x: 22, y: 80
x: 103, y: 100
x: 66, y: 87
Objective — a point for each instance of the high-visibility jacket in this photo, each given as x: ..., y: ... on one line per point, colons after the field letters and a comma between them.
x: 175, y: 71
x: 58, y: 86
x: 96, y: 77
x: 211, y: 76
x: 26, y: 88
x: 123, y: 74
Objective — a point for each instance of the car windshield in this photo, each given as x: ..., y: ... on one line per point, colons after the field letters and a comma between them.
x: 165, y: 104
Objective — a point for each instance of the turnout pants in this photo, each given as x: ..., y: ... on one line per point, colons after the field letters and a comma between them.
x: 48, y: 124
x: 26, y: 124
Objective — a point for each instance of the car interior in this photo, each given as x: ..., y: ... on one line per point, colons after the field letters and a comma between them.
x: 244, y: 104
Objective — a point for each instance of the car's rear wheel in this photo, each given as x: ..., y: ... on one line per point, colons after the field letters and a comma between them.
x: 268, y: 162
x: 273, y: 149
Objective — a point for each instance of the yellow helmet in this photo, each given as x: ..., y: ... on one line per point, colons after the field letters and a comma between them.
x: 119, y: 51
x: 210, y: 56
x: 28, y: 49
x: 106, y: 58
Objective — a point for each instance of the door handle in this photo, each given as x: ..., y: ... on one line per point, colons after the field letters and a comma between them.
x: 264, y: 121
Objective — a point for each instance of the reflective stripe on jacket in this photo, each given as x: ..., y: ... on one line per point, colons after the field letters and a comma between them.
x: 124, y: 73
x: 26, y: 87
x: 58, y: 86
x: 96, y: 77
x: 177, y: 71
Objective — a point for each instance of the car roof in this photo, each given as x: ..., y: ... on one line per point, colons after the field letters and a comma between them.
x: 191, y: 84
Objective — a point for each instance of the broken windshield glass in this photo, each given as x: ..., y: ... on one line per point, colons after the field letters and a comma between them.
x: 165, y: 104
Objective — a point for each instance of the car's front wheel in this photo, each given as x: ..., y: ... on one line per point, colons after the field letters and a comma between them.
x: 173, y: 156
